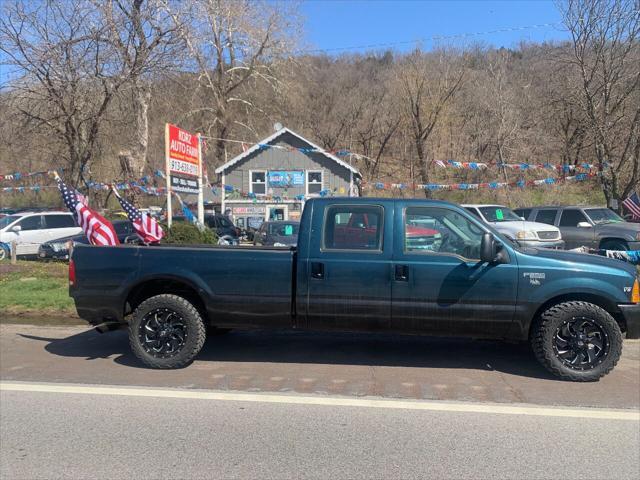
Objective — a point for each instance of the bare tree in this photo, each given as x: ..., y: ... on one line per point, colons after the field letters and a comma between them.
x: 428, y: 83
x: 234, y: 44
x: 65, y: 79
x: 146, y: 42
x: 605, y: 54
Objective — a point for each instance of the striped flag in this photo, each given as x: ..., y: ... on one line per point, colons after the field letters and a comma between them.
x: 98, y: 230
x: 145, y: 225
x: 633, y: 205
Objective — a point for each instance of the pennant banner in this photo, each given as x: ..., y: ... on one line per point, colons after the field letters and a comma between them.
x: 476, y: 186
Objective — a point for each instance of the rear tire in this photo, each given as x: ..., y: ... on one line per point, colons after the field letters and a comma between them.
x: 166, y: 331
x: 577, y: 341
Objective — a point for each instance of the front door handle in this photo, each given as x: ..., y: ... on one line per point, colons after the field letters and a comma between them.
x: 317, y: 270
x: 402, y: 273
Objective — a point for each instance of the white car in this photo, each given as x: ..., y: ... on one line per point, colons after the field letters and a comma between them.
x: 526, y: 234
x: 31, y: 229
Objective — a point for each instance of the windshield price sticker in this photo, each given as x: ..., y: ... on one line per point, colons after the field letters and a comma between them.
x: 499, y: 214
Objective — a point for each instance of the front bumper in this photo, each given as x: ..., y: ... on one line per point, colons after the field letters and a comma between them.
x: 631, y: 314
x: 556, y: 244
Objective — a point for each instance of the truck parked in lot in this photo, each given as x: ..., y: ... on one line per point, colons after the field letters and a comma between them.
x: 361, y: 265
x: 592, y: 227
x: 523, y: 232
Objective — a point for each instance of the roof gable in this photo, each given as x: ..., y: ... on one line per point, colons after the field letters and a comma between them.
x: 273, y: 138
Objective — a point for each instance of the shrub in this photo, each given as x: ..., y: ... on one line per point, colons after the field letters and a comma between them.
x: 182, y: 233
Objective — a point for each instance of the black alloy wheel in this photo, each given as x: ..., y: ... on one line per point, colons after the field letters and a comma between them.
x: 162, y: 333
x: 581, y: 344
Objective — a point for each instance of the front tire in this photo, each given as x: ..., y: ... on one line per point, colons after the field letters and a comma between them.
x: 166, y: 331
x: 577, y: 341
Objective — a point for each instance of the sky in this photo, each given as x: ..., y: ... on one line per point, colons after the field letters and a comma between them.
x: 338, y: 25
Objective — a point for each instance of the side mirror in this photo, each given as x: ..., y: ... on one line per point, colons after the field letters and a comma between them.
x: 488, y: 248
x: 584, y: 225
x: 16, y: 228
x: 522, y: 218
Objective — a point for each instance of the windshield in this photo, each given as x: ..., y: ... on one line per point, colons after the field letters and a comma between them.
x: 8, y: 220
x: 499, y: 214
x: 603, y: 215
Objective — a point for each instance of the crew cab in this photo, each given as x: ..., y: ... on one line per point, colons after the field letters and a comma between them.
x: 365, y: 264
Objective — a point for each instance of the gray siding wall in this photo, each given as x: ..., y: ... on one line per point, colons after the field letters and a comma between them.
x: 335, y: 176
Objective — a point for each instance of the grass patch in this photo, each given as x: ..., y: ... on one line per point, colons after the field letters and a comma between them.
x: 35, y: 287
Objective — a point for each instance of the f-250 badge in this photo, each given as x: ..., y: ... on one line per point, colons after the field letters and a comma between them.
x: 535, y: 278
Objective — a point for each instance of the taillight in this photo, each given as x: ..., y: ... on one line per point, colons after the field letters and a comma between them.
x: 635, y: 293
x: 72, y: 273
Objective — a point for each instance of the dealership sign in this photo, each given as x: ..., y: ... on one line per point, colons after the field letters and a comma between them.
x: 281, y: 178
x: 183, y: 162
x: 182, y: 151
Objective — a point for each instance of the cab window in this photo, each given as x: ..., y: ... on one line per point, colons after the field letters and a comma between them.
x: 441, y: 231
x: 571, y: 218
x: 546, y: 216
x: 353, y: 227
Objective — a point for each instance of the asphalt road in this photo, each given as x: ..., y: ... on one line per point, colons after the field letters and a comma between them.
x: 114, y: 435
x: 77, y: 404
x: 324, y: 364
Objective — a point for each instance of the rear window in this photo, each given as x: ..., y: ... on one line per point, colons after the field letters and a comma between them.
x: 59, y: 221
x: 122, y: 228
x: 353, y: 227
x: 546, y: 216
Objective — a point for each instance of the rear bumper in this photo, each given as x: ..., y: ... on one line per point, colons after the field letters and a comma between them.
x: 631, y: 314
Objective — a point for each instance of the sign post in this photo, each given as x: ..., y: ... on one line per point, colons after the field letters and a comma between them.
x: 183, y: 154
x: 200, y: 186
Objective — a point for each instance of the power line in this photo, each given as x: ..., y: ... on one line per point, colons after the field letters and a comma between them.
x: 432, y: 38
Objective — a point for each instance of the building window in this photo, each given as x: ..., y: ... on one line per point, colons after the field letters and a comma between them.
x: 314, y: 182
x: 258, y: 182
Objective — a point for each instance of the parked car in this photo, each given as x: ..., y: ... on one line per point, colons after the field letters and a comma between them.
x: 277, y: 234
x: 222, y: 226
x: 514, y: 227
x: 5, y: 250
x: 572, y: 307
x: 592, y: 227
x: 59, y: 249
x: 228, y: 233
x: 31, y: 229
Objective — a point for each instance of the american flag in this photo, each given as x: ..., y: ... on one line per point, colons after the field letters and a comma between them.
x: 145, y: 225
x: 98, y: 230
x: 633, y: 205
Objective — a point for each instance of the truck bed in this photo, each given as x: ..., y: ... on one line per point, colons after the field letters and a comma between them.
x: 238, y: 285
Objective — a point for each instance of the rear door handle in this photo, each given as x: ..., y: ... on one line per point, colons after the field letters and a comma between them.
x: 402, y: 273
x: 317, y: 270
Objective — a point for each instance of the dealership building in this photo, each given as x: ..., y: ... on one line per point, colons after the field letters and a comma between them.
x: 272, y: 179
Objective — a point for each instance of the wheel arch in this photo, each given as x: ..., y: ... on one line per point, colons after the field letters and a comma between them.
x: 605, y: 240
x: 158, y: 285
x: 601, y: 301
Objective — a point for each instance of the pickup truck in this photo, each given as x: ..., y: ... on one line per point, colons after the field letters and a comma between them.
x: 365, y: 264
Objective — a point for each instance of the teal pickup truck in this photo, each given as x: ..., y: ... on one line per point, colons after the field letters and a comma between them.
x: 366, y: 264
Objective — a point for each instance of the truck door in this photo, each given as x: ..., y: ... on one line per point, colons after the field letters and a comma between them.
x: 349, y: 265
x: 440, y: 286
x: 577, y: 230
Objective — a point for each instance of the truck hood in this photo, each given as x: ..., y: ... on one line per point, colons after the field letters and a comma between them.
x: 621, y: 228
x: 520, y: 225
x: 581, y: 258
